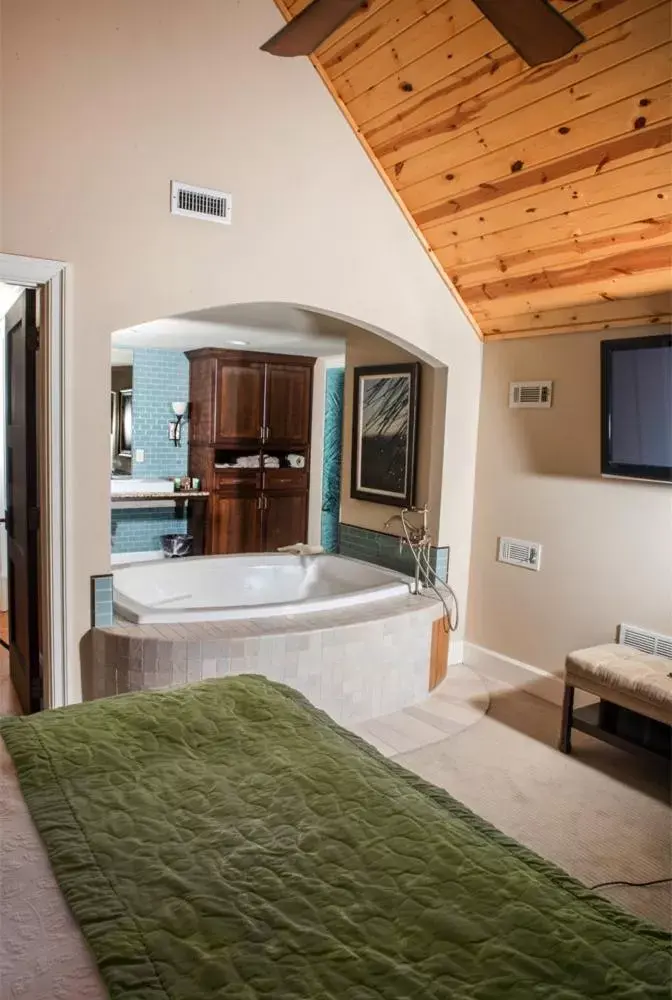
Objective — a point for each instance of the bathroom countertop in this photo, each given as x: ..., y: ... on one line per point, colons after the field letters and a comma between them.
x: 172, y: 497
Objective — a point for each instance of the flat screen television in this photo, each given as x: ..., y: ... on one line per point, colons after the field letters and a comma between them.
x: 637, y: 408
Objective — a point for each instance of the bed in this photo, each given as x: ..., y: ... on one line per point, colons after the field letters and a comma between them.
x: 228, y: 840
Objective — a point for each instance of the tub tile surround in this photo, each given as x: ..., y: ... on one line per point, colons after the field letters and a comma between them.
x: 356, y: 663
x: 384, y: 550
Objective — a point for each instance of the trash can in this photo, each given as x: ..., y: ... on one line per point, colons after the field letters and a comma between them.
x: 177, y: 545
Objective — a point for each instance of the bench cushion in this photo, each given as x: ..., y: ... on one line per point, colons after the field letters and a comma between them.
x: 625, y: 676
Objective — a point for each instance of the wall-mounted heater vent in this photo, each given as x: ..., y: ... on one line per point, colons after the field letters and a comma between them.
x: 517, y: 553
x: 530, y: 395
x: 200, y: 203
x: 646, y: 642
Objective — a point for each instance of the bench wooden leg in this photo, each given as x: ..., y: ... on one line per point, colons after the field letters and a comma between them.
x: 567, y: 712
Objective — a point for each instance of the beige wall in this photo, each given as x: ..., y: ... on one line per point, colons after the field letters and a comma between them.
x: 607, y: 544
x: 104, y: 103
x: 367, y: 349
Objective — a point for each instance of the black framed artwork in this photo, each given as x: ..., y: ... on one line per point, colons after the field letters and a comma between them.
x: 384, y: 433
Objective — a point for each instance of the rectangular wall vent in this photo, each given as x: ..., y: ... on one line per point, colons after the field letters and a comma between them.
x: 646, y: 642
x: 200, y: 203
x: 530, y: 395
x: 518, y: 553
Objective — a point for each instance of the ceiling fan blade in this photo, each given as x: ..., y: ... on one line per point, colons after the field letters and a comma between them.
x: 311, y: 27
x: 536, y: 30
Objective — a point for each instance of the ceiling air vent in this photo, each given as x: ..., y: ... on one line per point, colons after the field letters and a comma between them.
x: 530, y: 395
x: 517, y: 553
x: 200, y: 203
x: 646, y: 642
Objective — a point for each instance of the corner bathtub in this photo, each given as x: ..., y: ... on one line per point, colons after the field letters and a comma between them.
x: 227, y: 588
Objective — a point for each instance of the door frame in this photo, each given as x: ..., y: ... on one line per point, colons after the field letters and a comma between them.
x: 50, y: 277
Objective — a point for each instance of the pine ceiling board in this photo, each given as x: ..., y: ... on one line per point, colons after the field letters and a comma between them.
x: 442, y: 28
x: 442, y: 105
x: 540, y: 150
x: 598, y: 158
x: 645, y: 309
x: 567, y: 89
x: 640, y: 172
x: 537, y: 189
x: 558, y: 111
x: 594, y: 273
x: 472, y: 256
x: 442, y: 59
x: 355, y: 25
x: 506, y: 315
x: 628, y: 236
x: 380, y: 27
x: 578, y: 300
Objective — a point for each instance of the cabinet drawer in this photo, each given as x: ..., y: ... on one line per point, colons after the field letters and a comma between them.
x: 225, y: 478
x: 282, y: 479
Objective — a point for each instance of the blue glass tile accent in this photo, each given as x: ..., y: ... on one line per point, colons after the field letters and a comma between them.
x: 384, y: 550
x: 139, y: 529
x: 159, y: 379
x: 102, y: 601
x: 331, y: 464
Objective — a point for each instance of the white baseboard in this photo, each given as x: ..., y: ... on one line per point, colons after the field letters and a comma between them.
x: 133, y: 557
x: 521, y: 676
x: 456, y: 652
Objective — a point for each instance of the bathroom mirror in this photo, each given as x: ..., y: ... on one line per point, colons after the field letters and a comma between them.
x: 121, y: 413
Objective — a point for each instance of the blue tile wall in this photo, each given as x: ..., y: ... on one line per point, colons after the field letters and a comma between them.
x: 331, y: 464
x: 139, y: 529
x: 159, y: 379
x: 384, y: 550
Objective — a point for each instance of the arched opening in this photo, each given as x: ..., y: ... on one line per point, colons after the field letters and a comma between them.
x: 153, y: 366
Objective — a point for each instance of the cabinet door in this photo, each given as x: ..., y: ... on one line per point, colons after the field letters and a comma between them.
x: 288, y: 389
x: 235, y: 523
x: 240, y: 401
x: 285, y: 519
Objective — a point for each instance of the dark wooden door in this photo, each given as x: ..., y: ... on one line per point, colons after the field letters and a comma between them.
x: 240, y: 402
x: 285, y: 519
x: 22, y: 516
x: 288, y: 390
x: 235, y: 523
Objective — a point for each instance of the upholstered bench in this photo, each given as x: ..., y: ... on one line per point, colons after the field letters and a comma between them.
x: 620, y: 676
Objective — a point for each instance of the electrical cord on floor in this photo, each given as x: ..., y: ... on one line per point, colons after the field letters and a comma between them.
x: 634, y: 885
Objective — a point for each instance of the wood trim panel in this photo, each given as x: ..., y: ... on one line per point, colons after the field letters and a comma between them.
x: 438, y: 657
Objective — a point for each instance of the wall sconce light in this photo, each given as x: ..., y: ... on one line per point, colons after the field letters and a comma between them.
x: 175, y: 426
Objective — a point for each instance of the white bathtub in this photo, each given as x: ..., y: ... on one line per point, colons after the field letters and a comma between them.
x: 224, y: 588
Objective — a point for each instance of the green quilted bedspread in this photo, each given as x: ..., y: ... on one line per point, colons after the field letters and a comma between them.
x: 228, y: 840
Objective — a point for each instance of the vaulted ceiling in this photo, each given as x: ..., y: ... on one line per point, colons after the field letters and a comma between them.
x: 542, y: 194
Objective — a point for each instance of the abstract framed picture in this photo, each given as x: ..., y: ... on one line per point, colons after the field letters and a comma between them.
x: 384, y: 433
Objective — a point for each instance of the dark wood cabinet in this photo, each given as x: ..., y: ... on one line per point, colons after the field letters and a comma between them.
x: 235, y: 523
x: 285, y: 519
x: 239, y: 402
x: 251, y: 408
x: 288, y: 409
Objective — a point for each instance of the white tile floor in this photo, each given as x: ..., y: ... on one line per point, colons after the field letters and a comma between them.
x: 457, y: 703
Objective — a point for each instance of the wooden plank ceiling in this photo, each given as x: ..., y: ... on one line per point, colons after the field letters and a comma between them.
x: 543, y: 194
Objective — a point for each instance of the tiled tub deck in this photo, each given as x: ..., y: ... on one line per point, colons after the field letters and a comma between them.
x: 355, y: 664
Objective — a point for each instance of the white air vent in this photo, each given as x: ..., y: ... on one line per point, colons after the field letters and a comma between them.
x: 530, y: 395
x: 200, y: 203
x: 517, y: 553
x: 646, y: 642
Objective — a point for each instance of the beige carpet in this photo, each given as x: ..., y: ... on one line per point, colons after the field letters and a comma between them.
x: 600, y: 814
